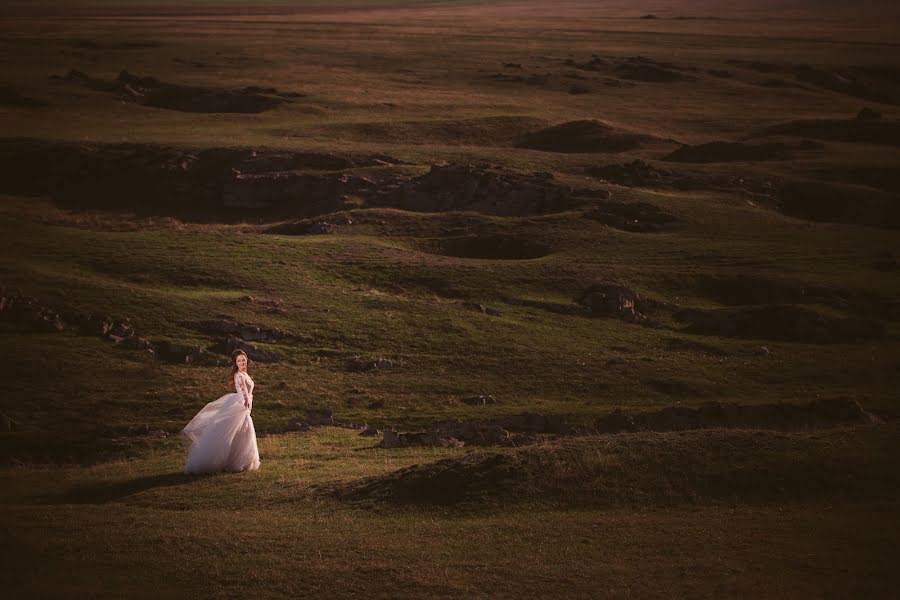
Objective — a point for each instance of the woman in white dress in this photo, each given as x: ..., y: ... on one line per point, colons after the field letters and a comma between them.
x: 222, y: 434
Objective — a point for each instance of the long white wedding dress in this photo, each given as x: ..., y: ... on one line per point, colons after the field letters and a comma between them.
x: 222, y: 434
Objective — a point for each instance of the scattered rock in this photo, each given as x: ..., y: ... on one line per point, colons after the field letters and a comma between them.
x: 358, y: 364
x: 479, y: 400
x: 612, y: 300
x: 370, y: 431
x: 29, y: 312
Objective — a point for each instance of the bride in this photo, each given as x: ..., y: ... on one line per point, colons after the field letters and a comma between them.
x: 222, y: 434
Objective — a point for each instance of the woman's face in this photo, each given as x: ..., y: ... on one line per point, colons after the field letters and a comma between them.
x: 241, y: 362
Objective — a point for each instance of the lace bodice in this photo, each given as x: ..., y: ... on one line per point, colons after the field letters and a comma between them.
x: 244, y: 386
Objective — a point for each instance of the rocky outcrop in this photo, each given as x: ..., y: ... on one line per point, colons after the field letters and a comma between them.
x: 487, y: 189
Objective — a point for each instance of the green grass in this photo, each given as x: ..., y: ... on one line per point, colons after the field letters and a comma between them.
x: 92, y: 506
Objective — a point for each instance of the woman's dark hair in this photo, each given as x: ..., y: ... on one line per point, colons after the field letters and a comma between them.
x: 234, y: 367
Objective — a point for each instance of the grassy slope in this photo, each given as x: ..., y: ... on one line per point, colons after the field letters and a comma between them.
x: 271, y: 532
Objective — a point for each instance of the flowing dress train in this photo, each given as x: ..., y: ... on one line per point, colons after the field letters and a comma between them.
x: 222, y: 434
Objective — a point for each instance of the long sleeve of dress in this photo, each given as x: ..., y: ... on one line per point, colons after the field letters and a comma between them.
x: 240, y: 384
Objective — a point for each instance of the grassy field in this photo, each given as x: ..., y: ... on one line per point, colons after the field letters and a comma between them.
x: 94, y: 501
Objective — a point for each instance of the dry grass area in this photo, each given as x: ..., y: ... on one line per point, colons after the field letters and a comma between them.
x: 573, y: 207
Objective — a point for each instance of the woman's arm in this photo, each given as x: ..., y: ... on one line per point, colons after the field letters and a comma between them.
x: 241, y: 385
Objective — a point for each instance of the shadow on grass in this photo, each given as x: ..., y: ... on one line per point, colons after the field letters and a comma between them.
x: 100, y: 493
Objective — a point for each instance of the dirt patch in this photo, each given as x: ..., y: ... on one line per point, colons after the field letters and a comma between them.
x: 859, y: 131
x: 715, y: 152
x: 488, y: 189
x: 588, y: 136
x: 837, y: 203
x: 148, y: 91
x: 499, y: 131
x: 786, y: 322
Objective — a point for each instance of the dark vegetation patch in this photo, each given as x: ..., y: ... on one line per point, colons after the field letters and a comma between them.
x: 860, y: 131
x: 818, y: 414
x: 149, y: 91
x: 881, y: 178
x: 497, y: 247
x: 839, y: 203
x: 738, y: 289
x: 785, y: 322
x: 647, y: 469
x: 714, y: 152
x: 11, y: 97
x: 589, y: 136
x: 487, y: 131
x: 488, y: 189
